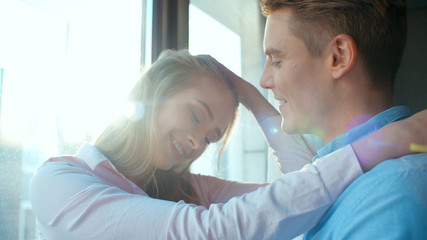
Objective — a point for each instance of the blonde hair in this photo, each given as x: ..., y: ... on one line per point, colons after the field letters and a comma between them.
x: 129, y: 143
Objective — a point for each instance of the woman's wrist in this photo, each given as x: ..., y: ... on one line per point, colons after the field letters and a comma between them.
x: 391, y: 141
x: 247, y: 94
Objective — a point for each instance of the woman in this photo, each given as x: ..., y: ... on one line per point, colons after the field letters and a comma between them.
x: 118, y: 187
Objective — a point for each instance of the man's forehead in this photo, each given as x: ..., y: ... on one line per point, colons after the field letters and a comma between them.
x: 282, y: 14
x: 275, y: 29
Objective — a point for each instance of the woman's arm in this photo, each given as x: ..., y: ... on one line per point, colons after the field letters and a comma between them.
x: 393, y: 141
x: 284, y: 209
x: 372, y: 149
x: 212, y: 189
x: 72, y: 202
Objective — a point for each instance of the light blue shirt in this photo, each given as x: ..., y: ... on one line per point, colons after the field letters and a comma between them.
x: 388, y: 202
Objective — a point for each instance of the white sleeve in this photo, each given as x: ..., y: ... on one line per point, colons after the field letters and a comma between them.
x: 81, y: 206
x: 283, y: 209
x: 218, y: 190
x: 292, y: 151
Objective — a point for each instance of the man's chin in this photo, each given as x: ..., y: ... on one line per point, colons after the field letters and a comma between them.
x: 292, y: 128
x: 287, y: 128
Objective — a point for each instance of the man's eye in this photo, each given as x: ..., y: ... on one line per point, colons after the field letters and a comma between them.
x: 275, y: 63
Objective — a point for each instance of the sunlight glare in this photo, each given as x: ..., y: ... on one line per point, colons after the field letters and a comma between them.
x: 134, y: 111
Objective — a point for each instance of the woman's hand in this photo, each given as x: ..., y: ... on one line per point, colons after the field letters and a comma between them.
x: 242, y: 87
x: 394, y: 140
x: 413, y: 133
x: 249, y: 96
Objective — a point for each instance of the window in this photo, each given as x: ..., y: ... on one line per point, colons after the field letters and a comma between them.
x: 232, y: 31
x: 59, y: 60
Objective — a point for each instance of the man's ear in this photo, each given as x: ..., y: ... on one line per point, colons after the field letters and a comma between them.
x: 344, y: 53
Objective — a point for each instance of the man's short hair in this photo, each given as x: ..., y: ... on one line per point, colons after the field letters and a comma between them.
x: 378, y: 28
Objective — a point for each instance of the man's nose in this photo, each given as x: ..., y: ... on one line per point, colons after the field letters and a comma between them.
x: 266, y: 80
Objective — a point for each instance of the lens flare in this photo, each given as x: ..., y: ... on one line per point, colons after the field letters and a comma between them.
x: 133, y: 111
x: 317, y: 131
x: 274, y: 130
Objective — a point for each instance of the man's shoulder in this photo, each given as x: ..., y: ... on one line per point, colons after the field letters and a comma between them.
x: 394, y: 182
x: 399, y: 167
x: 391, y: 197
x: 407, y: 161
x: 393, y: 176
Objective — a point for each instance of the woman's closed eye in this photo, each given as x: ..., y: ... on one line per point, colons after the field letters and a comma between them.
x: 196, y: 119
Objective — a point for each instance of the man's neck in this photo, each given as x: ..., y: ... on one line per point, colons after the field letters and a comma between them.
x: 355, y: 112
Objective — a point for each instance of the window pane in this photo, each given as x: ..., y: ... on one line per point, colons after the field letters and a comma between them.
x: 66, y: 67
x: 231, y: 31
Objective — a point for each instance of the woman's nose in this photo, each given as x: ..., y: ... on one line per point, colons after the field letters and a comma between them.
x: 194, y: 140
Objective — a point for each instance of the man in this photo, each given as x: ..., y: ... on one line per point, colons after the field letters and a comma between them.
x: 332, y: 64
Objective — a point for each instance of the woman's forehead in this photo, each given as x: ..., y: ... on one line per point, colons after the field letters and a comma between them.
x: 212, y: 92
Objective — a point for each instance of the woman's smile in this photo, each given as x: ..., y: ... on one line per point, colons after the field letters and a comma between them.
x: 177, y: 149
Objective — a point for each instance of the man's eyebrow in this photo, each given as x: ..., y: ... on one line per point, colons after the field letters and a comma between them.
x: 271, y: 51
x: 207, y: 109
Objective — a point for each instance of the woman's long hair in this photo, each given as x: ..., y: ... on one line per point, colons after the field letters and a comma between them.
x: 129, y: 142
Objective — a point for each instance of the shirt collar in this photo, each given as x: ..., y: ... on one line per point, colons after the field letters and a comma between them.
x: 378, y: 121
x: 97, y: 162
x: 91, y: 155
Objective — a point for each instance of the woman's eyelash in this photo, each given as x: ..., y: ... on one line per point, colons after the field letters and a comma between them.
x: 195, y: 117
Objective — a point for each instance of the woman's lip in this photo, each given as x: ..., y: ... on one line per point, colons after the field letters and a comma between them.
x: 177, y: 149
x: 174, y: 150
